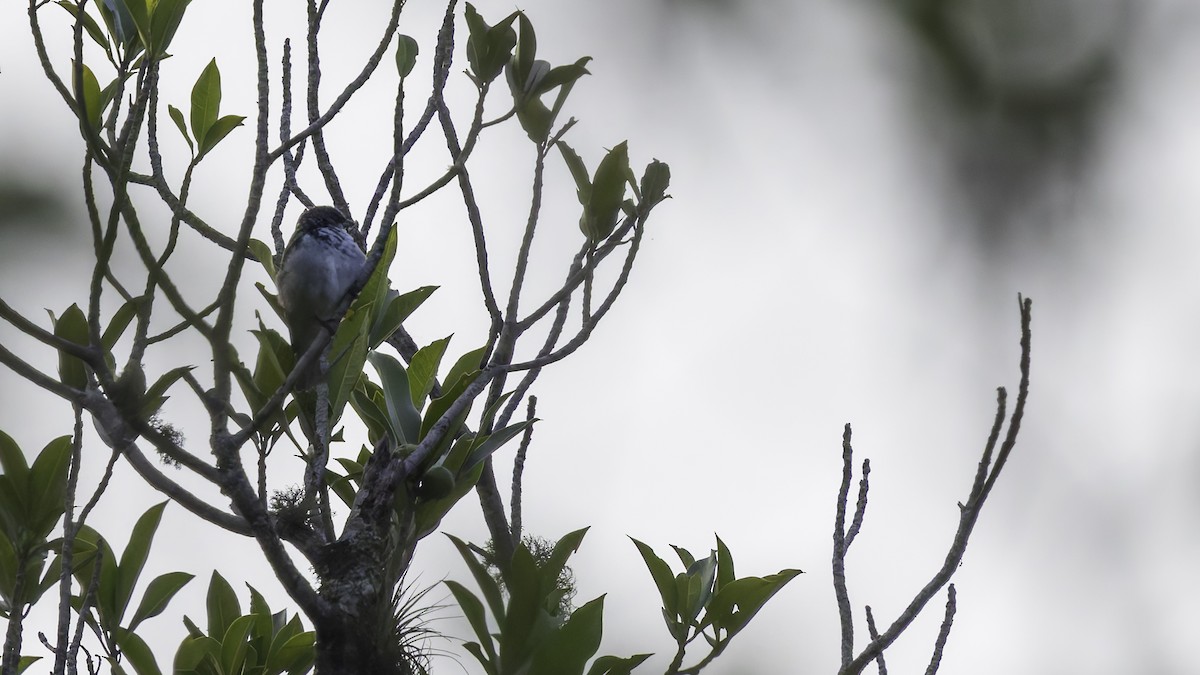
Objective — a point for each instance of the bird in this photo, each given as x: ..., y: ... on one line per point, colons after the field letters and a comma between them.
x: 320, y: 264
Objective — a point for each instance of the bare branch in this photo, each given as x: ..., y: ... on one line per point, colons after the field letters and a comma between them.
x: 20, y: 367
x: 188, y: 217
x: 860, y: 508
x: 182, y: 496
x: 943, y: 633
x: 84, y: 353
x: 314, y: 86
x: 351, y: 88
x: 875, y: 635
x: 969, y: 511
x: 840, y: 589
x: 585, y: 331
x: 519, y: 469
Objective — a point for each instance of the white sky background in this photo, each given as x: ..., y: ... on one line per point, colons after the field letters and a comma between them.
x: 817, y: 265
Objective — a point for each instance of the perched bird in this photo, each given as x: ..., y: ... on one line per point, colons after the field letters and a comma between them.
x: 319, y: 265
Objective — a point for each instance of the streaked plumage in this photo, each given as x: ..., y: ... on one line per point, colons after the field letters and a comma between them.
x: 319, y: 265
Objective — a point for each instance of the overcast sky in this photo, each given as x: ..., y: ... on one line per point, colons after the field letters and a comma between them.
x: 834, y: 253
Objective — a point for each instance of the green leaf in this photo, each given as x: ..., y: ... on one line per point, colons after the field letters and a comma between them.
x: 350, y: 343
x: 164, y: 22
x: 398, y: 308
x: 47, y: 487
x: 234, y: 645
x: 466, y: 365
x: 564, y: 548
x: 526, y: 52
x: 526, y: 620
x: 477, y: 40
x: 663, y: 579
x: 369, y: 403
x: 348, y: 353
x: 725, y: 572
x: 430, y: 512
x: 422, y: 370
x: 608, y: 191
x: 137, y: 652
x: 655, y: 182
x: 120, y: 25
x: 569, y: 648
x: 685, y: 556
x: 535, y: 119
x: 561, y: 76
x: 613, y: 665
x: 487, y: 585
x: 139, y: 12
x: 700, y: 585
x: 294, y: 654
x: 89, y: 24
x: 106, y: 591
x: 271, y: 367
x: 177, y: 117
x: 262, y: 252
x: 206, y: 103
x: 155, y: 395
x: 223, y: 606
x: 72, y: 326
x: 158, y: 593
x: 472, y: 609
x: 583, y: 182
x: 12, y: 459
x: 404, y: 420
x: 486, y: 445
x: 439, y: 406
x: 134, y: 557
x: 195, y: 650
x: 341, y: 487
x: 740, y: 600
x: 501, y: 40
x: 120, y: 322
x: 25, y: 661
x: 10, y: 563
x: 489, y: 47
x: 406, y: 54
x: 218, y: 131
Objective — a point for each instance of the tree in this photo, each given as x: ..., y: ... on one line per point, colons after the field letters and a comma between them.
x: 424, y: 448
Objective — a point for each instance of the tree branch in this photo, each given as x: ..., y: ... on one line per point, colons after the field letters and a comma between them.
x: 969, y: 512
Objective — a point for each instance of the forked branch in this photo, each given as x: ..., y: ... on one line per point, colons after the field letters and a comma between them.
x: 990, y: 464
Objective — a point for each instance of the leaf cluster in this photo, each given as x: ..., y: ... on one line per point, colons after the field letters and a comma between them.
x: 533, y: 634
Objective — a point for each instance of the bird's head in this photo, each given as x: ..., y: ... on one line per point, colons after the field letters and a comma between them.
x: 322, y: 216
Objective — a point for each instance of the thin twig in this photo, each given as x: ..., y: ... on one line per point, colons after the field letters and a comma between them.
x: 314, y: 86
x: 840, y: 590
x: 585, y: 331
x: 67, y: 551
x: 970, y: 510
x: 860, y: 507
x: 944, y: 632
x: 351, y: 88
x: 874, y: 635
x: 519, y: 469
